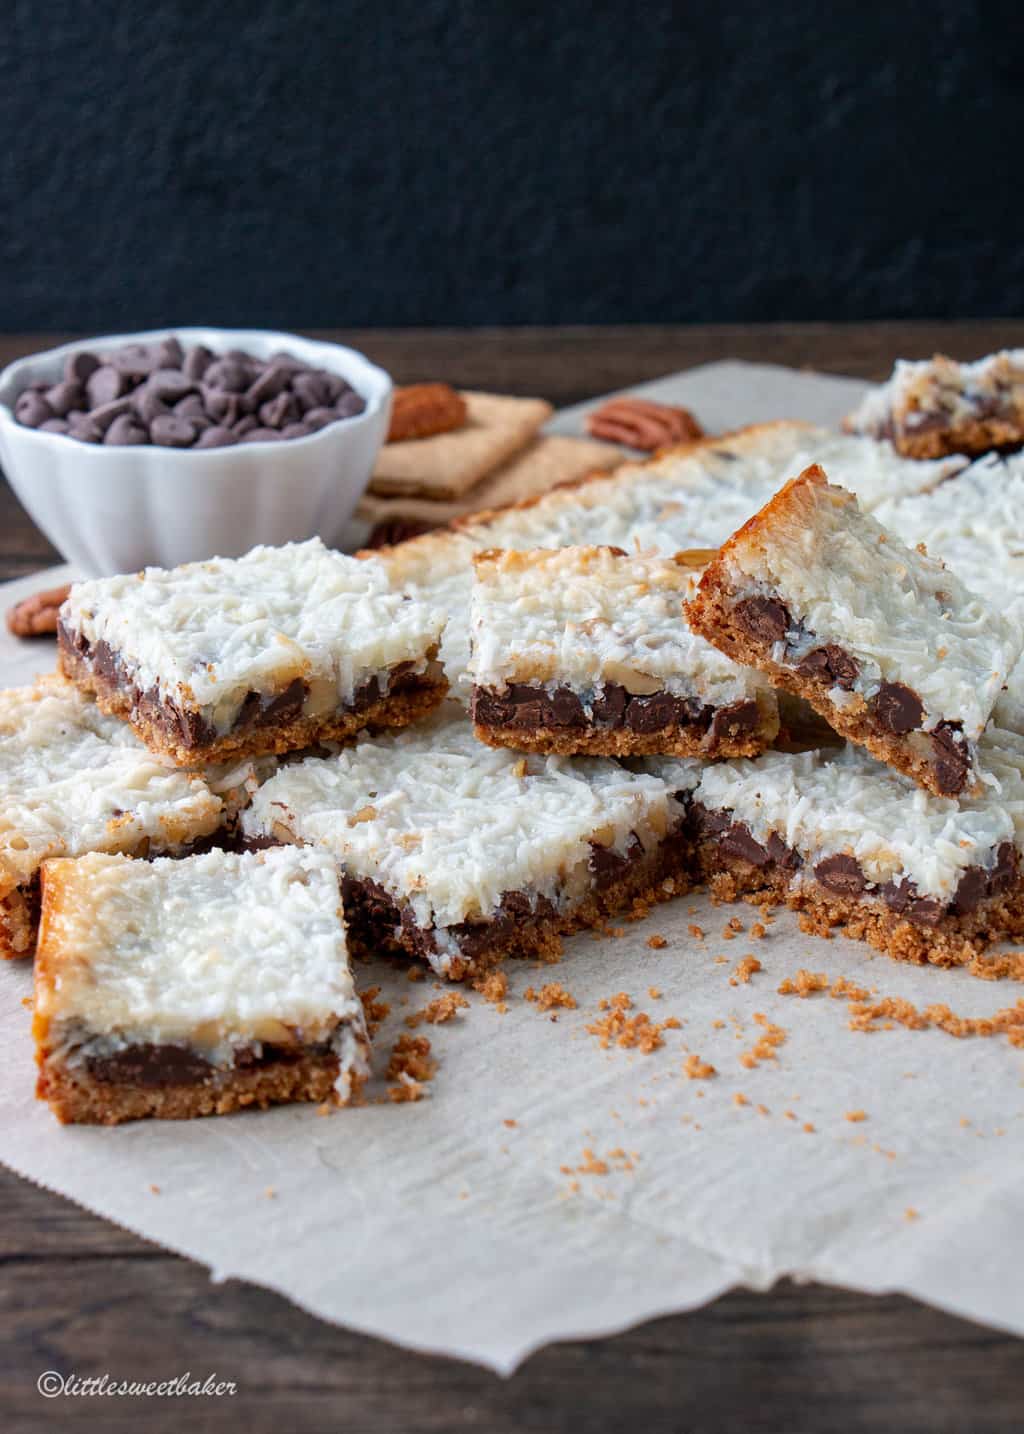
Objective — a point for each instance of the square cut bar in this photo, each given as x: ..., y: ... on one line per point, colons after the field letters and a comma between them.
x: 884, y: 642
x: 461, y: 854
x: 937, y: 406
x: 274, y: 651
x: 194, y: 987
x: 587, y: 650
x: 73, y: 780
x: 849, y: 842
x: 693, y: 496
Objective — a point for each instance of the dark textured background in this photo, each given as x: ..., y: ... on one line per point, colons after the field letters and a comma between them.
x: 464, y: 162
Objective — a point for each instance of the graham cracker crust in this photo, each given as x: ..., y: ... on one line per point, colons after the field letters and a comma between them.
x: 77, y: 1099
x: 978, y: 435
x: 417, y: 697
x: 19, y: 920
x: 671, y: 741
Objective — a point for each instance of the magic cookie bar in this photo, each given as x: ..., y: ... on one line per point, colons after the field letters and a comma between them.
x: 940, y: 406
x: 884, y: 642
x: 461, y: 855
x: 277, y: 650
x: 73, y: 781
x: 587, y: 650
x: 194, y: 987
x: 847, y: 841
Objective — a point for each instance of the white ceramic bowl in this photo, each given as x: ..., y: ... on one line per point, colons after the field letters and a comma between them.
x: 114, y: 510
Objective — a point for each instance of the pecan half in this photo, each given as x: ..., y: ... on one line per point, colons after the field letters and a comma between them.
x: 36, y: 616
x: 640, y: 423
x: 425, y: 409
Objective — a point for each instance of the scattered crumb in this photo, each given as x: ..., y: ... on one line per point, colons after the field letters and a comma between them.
x: 757, y: 931
x: 855, y: 1116
x: 740, y: 1099
x: 789, y: 1114
x: 808, y: 1127
x: 550, y: 997
x: 375, y: 1011
x: 415, y: 973
x: 734, y: 924
x: 721, y: 960
x: 911, y: 1214
x: 512, y: 1124
x: 441, y: 1009
x: 407, y: 1089
x: 697, y: 932
x: 696, y: 1069
x: 746, y: 968
x: 892, y: 1010
x: 718, y: 1025
x: 26, y: 1001
x: 494, y: 988
x: 762, y: 1110
x: 326, y: 1108
x: 964, y: 1121
x: 654, y: 992
x: 618, y: 931
x: 270, y: 1193
x: 804, y: 984
x: 637, y: 1032
x: 844, y: 989
x: 591, y: 1164
x: 657, y: 943
x: 154, y: 1189
x: 765, y: 1046
x: 413, y: 1065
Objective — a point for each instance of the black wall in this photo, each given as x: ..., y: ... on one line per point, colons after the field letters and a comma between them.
x: 321, y: 164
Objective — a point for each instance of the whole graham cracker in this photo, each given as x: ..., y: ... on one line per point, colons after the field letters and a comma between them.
x: 449, y: 464
x: 547, y: 462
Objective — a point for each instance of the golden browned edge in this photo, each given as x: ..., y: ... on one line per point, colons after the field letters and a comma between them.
x: 77, y: 1099
x: 440, y: 538
x: 17, y: 927
x: 660, y: 877
x: 710, y: 614
x: 956, y: 941
x: 392, y: 711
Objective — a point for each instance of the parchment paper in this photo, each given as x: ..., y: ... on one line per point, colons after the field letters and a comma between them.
x: 441, y: 1226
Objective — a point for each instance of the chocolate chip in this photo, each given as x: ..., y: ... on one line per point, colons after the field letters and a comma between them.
x: 299, y: 430
x: 609, y: 709
x: 783, y: 855
x: 245, y: 425
x: 134, y: 361
x: 125, y: 432
x: 196, y: 362
x: 654, y: 713
x: 170, y: 431
x: 735, y: 720
x: 55, y: 425
x: 842, y: 874
x: 227, y: 375
x: 312, y: 390
x: 32, y: 409
x: 217, y: 437
x: 767, y: 619
x: 191, y: 406
x: 319, y: 417
x: 896, y: 708
x: 349, y: 404
x: 105, y: 384
x: 274, y: 379
x: 85, y: 430
x: 737, y: 841
x: 104, y: 416
x: 147, y: 404
x: 80, y: 366
x: 170, y: 384
x: 65, y: 396
x: 830, y: 664
x: 261, y: 435
x: 1004, y: 873
x: 276, y: 412
x: 901, y: 897
x: 971, y: 891
x: 170, y: 354
x: 951, y: 760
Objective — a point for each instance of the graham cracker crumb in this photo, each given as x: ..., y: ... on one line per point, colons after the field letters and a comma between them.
x: 325, y: 1108
x: 550, y: 997
x: 740, y: 1099
x: 493, y: 988
x: 842, y: 989
x: 636, y: 1032
x: 154, y: 1189
x: 696, y: 1069
x: 745, y: 970
x: 591, y: 1164
x: 512, y: 1124
x: 765, y: 1046
x: 697, y: 932
x: 757, y: 931
x: 407, y: 1089
x: 808, y: 1127
x: 270, y: 1193
x: 657, y: 943
x: 762, y: 1110
x: 911, y: 1214
x: 413, y: 1065
x: 893, y: 1010
x: 804, y: 984
x: 718, y: 1025
x: 437, y: 1012
x: 374, y: 1010
x: 654, y: 992
x: 415, y: 973
x: 855, y: 1116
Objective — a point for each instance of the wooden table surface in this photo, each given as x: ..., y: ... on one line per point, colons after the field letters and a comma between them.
x: 81, y: 1295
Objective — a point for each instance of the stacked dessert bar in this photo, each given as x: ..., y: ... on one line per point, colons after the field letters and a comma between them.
x: 469, y: 745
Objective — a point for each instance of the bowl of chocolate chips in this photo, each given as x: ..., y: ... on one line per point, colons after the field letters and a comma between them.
x: 171, y: 446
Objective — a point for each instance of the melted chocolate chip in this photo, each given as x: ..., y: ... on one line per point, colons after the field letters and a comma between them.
x: 735, y: 720
x: 782, y: 855
x: 896, y: 708
x: 738, y: 841
x: 971, y: 891
x: 151, y: 1066
x: 842, y: 874
x: 610, y: 708
x: 831, y: 665
x: 951, y: 760
x: 1004, y: 873
x: 767, y: 619
x: 901, y: 897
